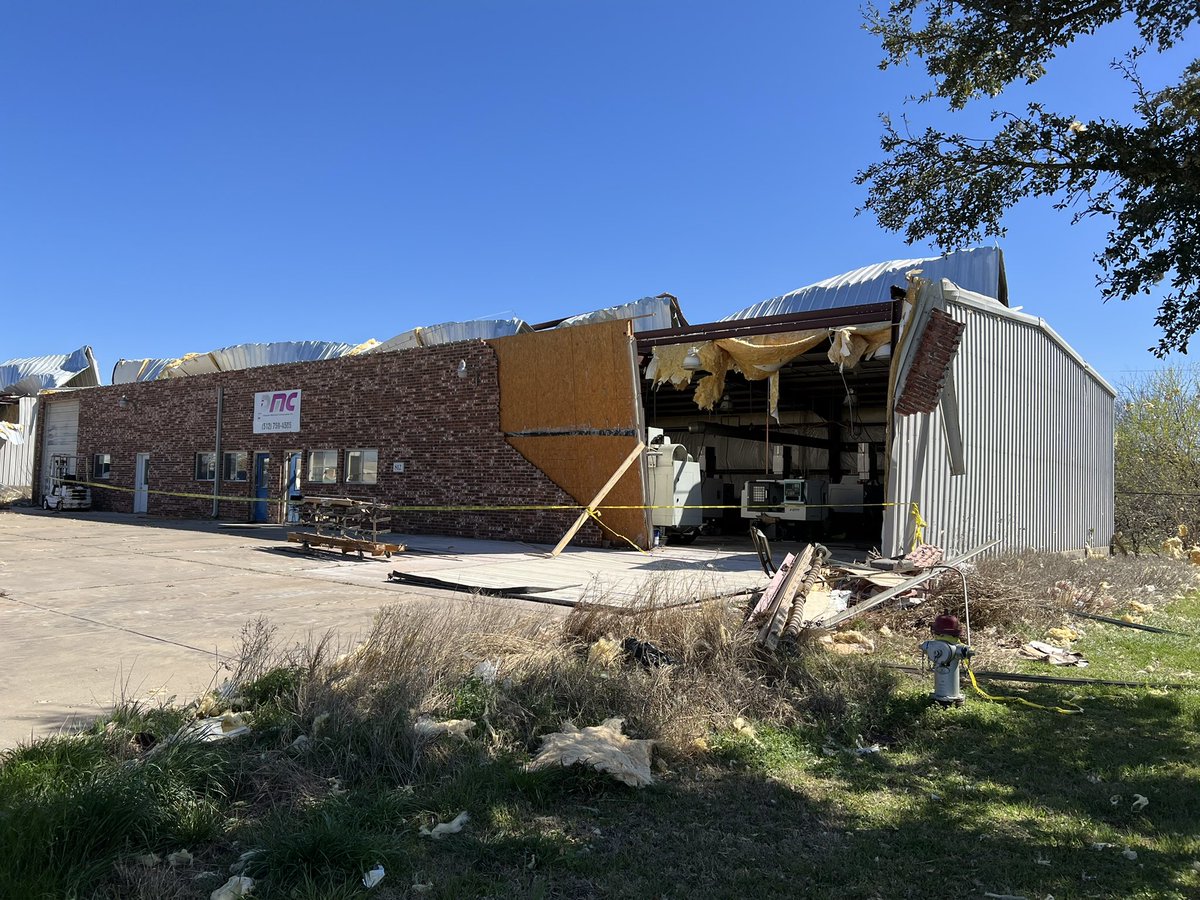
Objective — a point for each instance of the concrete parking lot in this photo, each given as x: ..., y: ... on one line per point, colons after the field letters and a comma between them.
x: 95, y: 607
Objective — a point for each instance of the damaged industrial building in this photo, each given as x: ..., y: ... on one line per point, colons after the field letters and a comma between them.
x: 902, y: 399
x: 21, y: 382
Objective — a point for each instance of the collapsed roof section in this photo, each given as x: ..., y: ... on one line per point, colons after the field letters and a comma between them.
x: 647, y: 314
x: 22, y: 379
x: 25, y: 377
x: 857, y: 311
x: 227, y: 359
x: 860, y: 313
x: 450, y: 332
x: 980, y: 270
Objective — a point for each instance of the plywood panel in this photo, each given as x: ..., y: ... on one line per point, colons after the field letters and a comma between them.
x: 569, y: 403
x: 580, y: 464
x: 567, y: 378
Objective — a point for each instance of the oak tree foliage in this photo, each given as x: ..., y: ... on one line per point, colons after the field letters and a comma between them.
x: 1157, y: 463
x: 1142, y: 175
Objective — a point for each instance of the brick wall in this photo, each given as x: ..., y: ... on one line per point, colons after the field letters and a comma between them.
x: 923, y: 385
x: 411, y: 406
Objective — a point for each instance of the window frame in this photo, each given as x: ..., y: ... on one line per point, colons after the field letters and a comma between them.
x: 362, y: 480
x: 308, y: 473
x: 226, y: 455
x: 212, y: 466
x: 106, y: 472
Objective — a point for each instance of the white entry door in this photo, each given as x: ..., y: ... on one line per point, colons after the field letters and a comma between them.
x: 141, y: 483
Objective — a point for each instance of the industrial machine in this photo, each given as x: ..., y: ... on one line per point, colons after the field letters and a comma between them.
x: 675, y: 493
x: 64, y: 489
x: 790, y: 504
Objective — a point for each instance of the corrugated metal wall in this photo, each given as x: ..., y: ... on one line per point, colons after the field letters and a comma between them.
x: 1038, y: 443
x: 16, y: 460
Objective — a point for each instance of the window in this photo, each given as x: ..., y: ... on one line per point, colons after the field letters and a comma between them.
x: 101, y: 465
x: 235, y: 466
x: 362, y: 466
x: 206, y: 467
x: 322, y: 466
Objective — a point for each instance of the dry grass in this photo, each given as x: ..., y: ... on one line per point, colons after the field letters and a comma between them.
x: 1028, y: 592
x: 357, y: 710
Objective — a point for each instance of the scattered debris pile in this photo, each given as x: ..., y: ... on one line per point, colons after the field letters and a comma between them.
x: 810, y: 589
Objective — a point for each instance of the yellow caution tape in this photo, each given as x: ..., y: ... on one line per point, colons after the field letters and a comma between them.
x: 578, y: 507
x: 595, y: 515
x: 919, y: 525
x: 1075, y: 710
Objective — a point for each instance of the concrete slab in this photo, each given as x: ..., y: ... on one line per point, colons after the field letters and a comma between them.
x: 98, y: 606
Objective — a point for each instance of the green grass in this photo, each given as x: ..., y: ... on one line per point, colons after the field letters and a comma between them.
x: 989, y: 797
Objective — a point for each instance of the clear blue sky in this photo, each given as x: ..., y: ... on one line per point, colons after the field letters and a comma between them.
x: 180, y: 177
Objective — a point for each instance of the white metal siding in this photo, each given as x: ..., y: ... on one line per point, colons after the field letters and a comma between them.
x: 16, y: 460
x: 60, y: 419
x: 1038, y: 444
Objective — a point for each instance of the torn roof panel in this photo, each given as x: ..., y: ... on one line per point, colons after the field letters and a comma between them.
x: 647, y: 314
x: 38, y: 373
x: 451, y: 332
x: 227, y: 359
x: 980, y: 270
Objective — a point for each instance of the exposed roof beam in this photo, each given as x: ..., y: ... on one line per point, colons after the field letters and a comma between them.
x: 734, y: 328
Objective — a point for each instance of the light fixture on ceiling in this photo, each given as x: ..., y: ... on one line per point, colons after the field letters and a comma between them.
x: 726, y: 405
x: 691, y: 362
x: 462, y: 368
x: 851, y: 398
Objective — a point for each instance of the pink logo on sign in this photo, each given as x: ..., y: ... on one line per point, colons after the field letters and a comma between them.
x: 284, y: 401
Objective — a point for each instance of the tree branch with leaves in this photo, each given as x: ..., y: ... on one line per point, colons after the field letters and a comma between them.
x: 1142, y: 175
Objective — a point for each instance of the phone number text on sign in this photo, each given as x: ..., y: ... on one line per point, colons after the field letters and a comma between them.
x: 276, y: 411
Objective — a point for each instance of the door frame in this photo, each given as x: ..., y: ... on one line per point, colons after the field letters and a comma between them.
x: 141, y: 483
x: 260, y: 508
x: 293, y: 487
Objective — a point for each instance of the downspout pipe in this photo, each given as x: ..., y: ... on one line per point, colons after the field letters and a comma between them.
x: 216, y: 504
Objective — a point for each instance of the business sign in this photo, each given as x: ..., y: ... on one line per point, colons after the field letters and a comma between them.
x: 276, y: 411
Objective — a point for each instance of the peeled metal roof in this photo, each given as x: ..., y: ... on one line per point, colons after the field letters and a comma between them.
x: 38, y: 373
x: 980, y: 270
x: 648, y: 314
x: 239, y: 356
x: 449, y: 332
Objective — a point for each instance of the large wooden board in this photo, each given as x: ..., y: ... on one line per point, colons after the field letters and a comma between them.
x: 555, y: 387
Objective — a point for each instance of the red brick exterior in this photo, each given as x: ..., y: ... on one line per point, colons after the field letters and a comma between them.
x: 923, y: 386
x: 411, y: 406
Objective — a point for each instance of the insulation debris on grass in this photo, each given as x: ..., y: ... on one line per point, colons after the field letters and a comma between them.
x: 426, y: 728
x: 1056, y: 656
x: 487, y: 671
x: 179, y: 858
x: 744, y: 728
x: 236, y: 886
x: 604, y: 653
x: 373, y: 877
x: 439, y: 831
x: 1062, y: 635
x: 846, y: 642
x: 603, y: 747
